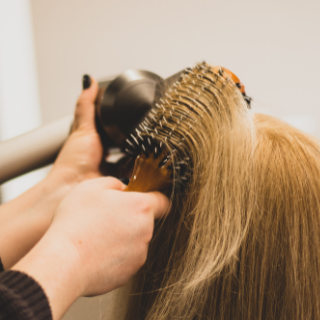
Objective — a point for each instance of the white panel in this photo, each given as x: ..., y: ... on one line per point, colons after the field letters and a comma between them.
x: 19, y: 98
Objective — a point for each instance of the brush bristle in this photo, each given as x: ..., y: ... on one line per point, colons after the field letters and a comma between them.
x: 169, y: 125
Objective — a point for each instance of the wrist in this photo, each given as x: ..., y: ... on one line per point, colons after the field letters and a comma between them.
x: 62, y: 178
x: 54, y: 263
x: 51, y: 192
x: 80, y: 157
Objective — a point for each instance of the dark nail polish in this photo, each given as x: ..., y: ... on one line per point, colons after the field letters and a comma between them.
x: 86, y: 82
x: 125, y: 180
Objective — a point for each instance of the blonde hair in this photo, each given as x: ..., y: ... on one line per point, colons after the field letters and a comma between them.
x: 243, y: 238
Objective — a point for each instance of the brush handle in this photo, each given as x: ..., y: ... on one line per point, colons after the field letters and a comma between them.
x: 148, y: 185
x: 147, y: 176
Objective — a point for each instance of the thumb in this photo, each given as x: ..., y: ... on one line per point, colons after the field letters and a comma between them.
x: 109, y: 183
x: 159, y: 204
x: 85, y: 108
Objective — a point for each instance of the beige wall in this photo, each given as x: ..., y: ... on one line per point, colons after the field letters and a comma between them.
x: 273, y: 46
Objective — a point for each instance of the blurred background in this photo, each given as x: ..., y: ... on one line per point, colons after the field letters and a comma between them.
x: 47, y: 45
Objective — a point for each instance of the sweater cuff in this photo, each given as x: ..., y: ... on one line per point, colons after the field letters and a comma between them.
x: 21, y: 297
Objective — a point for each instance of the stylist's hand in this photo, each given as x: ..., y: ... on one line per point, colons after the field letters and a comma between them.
x: 24, y: 220
x: 98, y: 239
x: 82, y: 153
x: 109, y: 229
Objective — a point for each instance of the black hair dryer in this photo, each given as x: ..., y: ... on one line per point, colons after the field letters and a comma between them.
x: 121, y: 105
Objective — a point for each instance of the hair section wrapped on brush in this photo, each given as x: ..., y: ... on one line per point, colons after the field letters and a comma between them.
x: 175, y: 126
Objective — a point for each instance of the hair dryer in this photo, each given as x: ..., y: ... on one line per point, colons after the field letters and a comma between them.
x: 121, y: 105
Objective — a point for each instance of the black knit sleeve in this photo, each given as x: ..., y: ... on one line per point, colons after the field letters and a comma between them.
x: 22, y: 298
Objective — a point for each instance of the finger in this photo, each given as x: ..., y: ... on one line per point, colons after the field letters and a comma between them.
x: 85, y: 108
x: 111, y: 183
x: 160, y: 205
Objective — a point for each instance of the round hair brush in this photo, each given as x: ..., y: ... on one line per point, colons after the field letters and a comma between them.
x: 162, y: 141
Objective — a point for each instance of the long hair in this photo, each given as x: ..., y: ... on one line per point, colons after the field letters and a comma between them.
x: 243, y: 238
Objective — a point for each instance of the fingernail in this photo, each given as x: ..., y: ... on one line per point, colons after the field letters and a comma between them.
x: 125, y: 180
x: 86, y: 82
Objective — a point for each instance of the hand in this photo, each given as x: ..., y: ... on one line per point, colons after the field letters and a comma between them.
x: 97, y: 240
x: 24, y: 220
x: 110, y: 230
x: 82, y: 153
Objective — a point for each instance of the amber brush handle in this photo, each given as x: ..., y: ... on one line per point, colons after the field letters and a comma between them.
x: 148, y: 176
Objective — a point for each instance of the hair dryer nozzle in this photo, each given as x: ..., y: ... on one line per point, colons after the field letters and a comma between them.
x: 122, y: 105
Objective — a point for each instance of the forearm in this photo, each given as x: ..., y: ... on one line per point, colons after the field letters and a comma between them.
x: 55, y: 267
x: 24, y: 220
